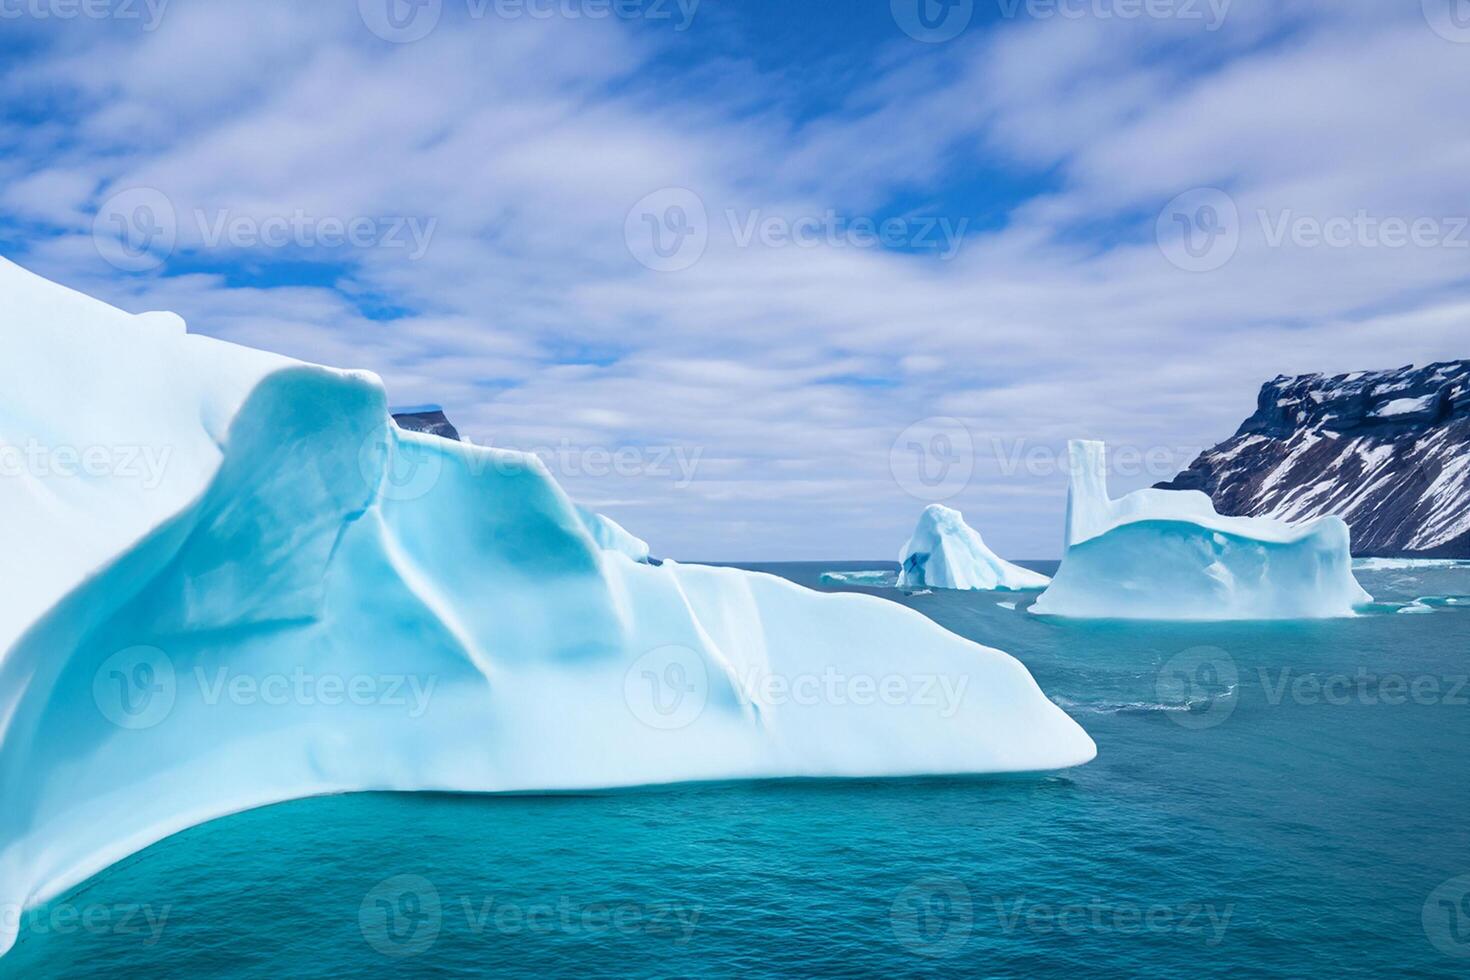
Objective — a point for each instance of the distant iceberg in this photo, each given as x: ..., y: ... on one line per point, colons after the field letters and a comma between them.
x: 880, y: 578
x: 230, y: 580
x: 946, y: 553
x: 1166, y: 554
x: 1406, y: 564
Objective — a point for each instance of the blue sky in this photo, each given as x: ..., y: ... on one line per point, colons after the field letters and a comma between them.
x: 761, y: 279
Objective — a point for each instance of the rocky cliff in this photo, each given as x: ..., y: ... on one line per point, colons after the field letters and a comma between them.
x: 425, y: 418
x: 1388, y: 451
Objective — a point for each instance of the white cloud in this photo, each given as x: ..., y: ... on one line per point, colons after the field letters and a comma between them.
x: 787, y: 371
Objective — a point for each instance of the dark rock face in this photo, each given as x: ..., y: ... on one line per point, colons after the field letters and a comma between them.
x: 430, y: 420
x: 1387, y: 451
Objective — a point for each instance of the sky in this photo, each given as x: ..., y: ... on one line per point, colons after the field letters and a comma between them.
x: 762, y: 279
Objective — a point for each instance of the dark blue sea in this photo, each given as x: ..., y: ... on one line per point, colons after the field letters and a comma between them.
x: 1283, y: 800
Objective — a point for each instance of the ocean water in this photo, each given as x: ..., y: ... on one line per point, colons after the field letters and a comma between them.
x: 1269, y: 800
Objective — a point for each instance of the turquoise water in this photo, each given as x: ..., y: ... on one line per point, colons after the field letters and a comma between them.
x: 1268, y: 800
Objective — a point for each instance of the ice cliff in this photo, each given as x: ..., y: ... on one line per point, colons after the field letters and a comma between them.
x: 230, y: 580
x: 1166, y: 554
x: 946, y: 553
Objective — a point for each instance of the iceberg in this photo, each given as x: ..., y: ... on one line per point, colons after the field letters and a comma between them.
x: 1166, y: 554
x: 612, y: 536
x: 946, y: 553
x: 878, y: 578
x: 231, y: 580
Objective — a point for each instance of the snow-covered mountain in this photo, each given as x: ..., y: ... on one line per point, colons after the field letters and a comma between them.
x: 1387, y: 451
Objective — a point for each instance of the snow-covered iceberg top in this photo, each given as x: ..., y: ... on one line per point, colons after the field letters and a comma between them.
x: 230, y: 580
x: 946, y: 553
x: 1166, y: 554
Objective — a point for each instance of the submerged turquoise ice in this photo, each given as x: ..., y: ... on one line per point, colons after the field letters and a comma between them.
x: 1269, y: 799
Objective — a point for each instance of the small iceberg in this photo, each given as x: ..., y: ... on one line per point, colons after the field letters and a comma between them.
x: 1402, y: 564
x: 1166, y: 554
x: 946, y: 553
x: 876, y: 579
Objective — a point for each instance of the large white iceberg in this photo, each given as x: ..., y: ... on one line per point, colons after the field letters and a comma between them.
x: 1166, y: 554
x: 946, y: 553
x: 229, y: 580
